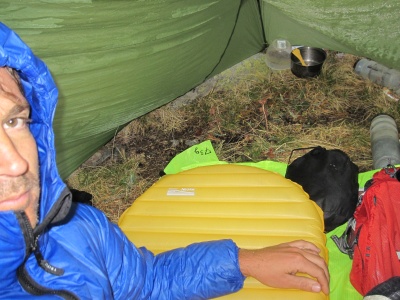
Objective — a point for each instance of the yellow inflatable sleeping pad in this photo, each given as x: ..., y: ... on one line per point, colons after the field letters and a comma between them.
x: 252, y: 206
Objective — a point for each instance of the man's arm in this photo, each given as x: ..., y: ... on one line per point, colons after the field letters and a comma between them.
x: 211, y: 269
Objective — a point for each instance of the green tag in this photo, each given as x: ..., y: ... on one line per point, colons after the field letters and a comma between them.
x: 202, y: 154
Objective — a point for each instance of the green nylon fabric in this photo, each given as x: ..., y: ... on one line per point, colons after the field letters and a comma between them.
x: 114, y: 61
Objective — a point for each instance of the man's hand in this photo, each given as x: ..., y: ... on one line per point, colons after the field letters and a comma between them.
x: 279, y: 266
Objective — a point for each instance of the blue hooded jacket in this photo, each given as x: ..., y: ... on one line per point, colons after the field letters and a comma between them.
x: 75, y: 252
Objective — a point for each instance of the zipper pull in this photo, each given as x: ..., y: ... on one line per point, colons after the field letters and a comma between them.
x: 44, y: 264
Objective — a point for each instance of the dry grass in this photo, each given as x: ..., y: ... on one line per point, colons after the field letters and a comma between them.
x: 252, y: 115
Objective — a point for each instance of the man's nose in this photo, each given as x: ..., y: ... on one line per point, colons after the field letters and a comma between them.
x: 12, y: 163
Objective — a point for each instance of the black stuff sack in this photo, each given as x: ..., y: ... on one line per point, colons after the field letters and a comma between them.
x: 330, y: 178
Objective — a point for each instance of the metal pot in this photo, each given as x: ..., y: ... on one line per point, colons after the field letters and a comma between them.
x: 314, y: 59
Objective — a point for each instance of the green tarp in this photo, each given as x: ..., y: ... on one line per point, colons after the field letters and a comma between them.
x: 114, y: 61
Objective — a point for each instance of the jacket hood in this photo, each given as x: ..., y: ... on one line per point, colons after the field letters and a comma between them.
x: 42, y: 95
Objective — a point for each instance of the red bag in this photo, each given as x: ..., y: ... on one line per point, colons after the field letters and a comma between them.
x: 375, y: 238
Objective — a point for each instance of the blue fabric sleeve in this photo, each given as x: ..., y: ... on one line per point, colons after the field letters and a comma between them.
x: 199, y: 271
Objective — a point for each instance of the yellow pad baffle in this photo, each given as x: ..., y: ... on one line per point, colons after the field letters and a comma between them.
x: 252, y: 206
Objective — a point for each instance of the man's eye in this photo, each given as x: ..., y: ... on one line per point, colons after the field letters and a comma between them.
x: 17, y: 122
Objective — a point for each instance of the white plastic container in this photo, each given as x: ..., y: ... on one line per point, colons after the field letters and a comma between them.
x: 379, y: 74
x: 384, y: 141
x: 278, y: 55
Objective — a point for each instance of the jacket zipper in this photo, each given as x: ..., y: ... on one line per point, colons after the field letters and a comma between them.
x: 36, y: 289
x: 26, y: 281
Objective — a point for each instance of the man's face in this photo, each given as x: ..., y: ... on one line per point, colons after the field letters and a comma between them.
x: 19, y: 170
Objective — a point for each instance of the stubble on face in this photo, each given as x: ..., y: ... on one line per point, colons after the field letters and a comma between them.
x: 17, y: 186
